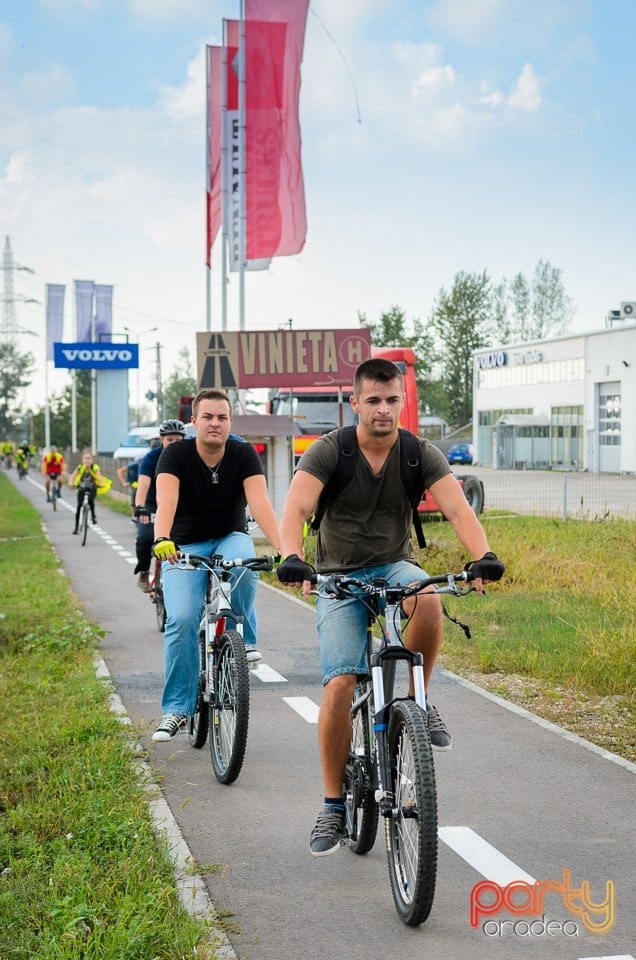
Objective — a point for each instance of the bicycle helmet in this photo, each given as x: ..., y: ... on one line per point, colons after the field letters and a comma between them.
x: 172, y: 426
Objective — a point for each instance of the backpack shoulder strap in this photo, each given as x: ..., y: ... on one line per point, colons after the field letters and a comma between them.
x: 411, y: 473
x: 342, y: 475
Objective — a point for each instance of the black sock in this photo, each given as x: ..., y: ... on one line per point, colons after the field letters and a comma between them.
x: 334, y: 802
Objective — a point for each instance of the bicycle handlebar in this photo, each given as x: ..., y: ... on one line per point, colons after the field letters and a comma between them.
x: 217, y: 562
x: 339, y: 585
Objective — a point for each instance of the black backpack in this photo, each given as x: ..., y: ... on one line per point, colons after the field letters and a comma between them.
x: 410, y: 471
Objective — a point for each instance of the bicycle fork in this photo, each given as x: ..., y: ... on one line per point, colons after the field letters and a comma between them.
x: 383, y: 669
x: 215, y: 626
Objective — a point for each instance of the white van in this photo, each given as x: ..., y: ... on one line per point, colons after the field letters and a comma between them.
x: 138, y: 442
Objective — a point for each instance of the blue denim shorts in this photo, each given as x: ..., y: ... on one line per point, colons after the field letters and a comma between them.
x: 342, y: 624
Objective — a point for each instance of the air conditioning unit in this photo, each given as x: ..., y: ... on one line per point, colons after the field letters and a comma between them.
x: 628, y: 309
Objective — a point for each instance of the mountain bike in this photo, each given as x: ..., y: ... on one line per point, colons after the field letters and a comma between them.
x: 223, y: 693
x: 390, y: 771
x: 87, y: 489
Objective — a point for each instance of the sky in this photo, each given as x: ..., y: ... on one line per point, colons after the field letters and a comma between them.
x: 438, y: 136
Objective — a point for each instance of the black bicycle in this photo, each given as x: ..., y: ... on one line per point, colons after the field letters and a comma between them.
x: 88, y: 490
x: 390, y: 771
x: 223, y: 694
x: 156, y: 595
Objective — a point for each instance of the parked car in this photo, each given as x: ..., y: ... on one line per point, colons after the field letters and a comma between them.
x: 138, y: 442
x: 460, y: 453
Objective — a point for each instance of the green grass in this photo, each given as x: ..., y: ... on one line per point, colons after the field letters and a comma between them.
x: 564, y: 615
x: 82, y: 872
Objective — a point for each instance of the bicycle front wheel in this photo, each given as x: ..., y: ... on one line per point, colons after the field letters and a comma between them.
x: 411, y: 831
x: 359, y: 783
x: 160, y: 607
x: 84, y: 522
x: 198, y: 723
x: 229, y: 707
x: 53, y: 489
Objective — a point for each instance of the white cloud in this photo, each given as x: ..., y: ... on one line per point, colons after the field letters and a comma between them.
x: 187, y: 100
x: 18, y: 169
x: 52, y: 82
x: 526, y: 94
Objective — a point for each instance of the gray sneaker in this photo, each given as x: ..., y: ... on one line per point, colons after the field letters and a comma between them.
x: 253, y: 655
x: 439, y: 735
x: 329, y: 832
x: 143, y: 581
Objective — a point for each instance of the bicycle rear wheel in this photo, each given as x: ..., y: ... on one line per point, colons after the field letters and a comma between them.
x: 84, y: 522
x: 411, y: 832
x: 359, y: 783
x: 229, y: 707
x: 199, y: 722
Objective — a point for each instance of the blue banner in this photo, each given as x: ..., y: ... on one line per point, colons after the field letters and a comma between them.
x: 96, y: 356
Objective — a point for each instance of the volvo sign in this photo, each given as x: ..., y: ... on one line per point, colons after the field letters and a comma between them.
x: 96, y: 356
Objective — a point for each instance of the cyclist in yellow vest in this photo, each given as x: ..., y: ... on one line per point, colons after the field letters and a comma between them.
x: 86, y: 476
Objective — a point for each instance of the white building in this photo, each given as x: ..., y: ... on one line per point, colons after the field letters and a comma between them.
x: 566, y: 403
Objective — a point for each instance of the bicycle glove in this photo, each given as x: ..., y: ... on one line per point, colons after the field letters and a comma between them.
x: 141, y: 512
x: 163, y: 548
x: 489, y: 567
x: 294, y: 570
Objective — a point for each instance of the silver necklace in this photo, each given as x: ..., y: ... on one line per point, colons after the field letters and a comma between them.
x: 215, y: 472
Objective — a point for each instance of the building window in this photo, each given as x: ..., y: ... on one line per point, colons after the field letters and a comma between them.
x: 609, y: 418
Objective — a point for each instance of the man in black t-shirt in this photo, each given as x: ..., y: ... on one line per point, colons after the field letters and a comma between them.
x: 203, y: 487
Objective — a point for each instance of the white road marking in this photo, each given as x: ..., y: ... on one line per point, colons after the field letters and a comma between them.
x: 267, y: 674
x: 481, y: 855
x: 622, y: 956
x: 305, y: 707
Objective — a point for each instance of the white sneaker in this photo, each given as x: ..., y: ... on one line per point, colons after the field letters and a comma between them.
x: 169, y: 727
x: 253, y: 655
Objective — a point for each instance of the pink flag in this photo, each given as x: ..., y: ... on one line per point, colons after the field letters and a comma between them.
x: 213, y: 186
x: 274, y: 38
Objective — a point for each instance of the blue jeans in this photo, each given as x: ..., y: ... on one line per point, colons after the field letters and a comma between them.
x: 342, y: 624
x: 184, y: 595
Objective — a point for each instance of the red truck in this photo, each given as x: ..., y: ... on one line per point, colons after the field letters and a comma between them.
x: 317, y: 410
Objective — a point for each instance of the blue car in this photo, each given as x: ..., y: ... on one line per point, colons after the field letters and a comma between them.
x: 460, y: 453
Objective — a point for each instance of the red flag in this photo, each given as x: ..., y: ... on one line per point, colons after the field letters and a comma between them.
x: 213, y: 186
x: 274, y: 155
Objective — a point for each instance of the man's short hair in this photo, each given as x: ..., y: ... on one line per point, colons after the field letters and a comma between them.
x: 376, y: 368
x: 210, y: 393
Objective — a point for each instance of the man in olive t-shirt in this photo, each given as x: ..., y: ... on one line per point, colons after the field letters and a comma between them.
x: 365, y: 531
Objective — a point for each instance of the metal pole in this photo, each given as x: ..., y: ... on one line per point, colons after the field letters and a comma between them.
x: 242, y: 172
x: 565, y: 496
x: 93, y: 392
x: 208, y: 276
x: 225, y: 168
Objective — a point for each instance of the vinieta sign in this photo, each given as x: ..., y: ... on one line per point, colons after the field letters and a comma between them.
x: 96, y: 356
x: 281, y: 358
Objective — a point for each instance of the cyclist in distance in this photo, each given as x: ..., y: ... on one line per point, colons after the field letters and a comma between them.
x: 53, y: 466
x: 365, y: 532
x: 203, y: 487
x: 146, y: 499
x: 81, y: 477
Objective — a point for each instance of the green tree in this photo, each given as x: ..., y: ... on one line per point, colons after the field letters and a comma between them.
x: 16, y: 371
x: 391, y: 330
x: 61, y: 414
x: 462, y: 321
x: 180, y: 383
x: 533, y: 310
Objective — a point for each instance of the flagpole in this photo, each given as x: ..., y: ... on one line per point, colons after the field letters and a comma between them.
x: 224, y: 180
x: 242, y: 170
x: 208, y: 277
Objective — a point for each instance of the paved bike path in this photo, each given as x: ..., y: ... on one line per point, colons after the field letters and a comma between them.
x: 515, y: 798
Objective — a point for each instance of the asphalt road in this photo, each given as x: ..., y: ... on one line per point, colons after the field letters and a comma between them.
x: 517, y: 799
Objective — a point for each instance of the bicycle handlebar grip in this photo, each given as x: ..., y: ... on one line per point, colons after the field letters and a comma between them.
x: 488, y: 567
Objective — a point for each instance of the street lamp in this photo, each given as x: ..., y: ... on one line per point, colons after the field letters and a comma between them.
x: 138, y: 336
